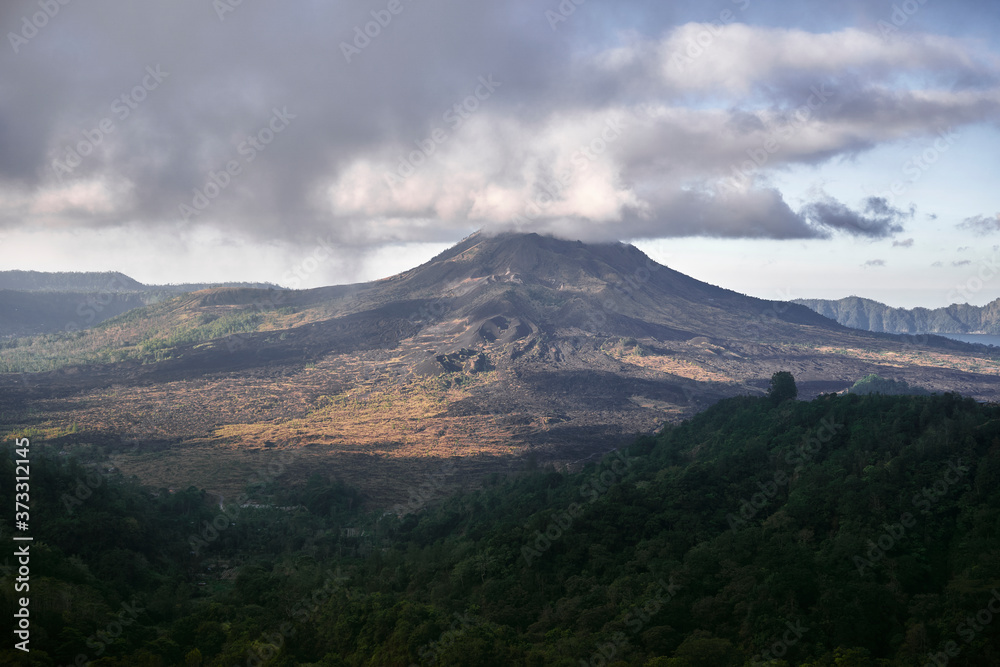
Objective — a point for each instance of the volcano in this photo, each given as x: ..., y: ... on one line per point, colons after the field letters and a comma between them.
x: 499, y: 350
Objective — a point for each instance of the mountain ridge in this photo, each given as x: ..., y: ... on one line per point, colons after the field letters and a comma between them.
x: 870, y: 315
x: 100, y: 281
x: 38, y: 302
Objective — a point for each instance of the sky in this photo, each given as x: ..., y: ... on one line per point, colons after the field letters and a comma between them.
x: 781, y: 149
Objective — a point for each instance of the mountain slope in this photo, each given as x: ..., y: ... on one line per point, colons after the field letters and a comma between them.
x: 498, y: 349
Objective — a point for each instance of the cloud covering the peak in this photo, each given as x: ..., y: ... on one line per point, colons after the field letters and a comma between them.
x: 279, y: 123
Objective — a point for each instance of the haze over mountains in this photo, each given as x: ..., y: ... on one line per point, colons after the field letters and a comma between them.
x: 99, y: 281
x: 499, y: 348
x: 36, y: 302
x: 870, y: 315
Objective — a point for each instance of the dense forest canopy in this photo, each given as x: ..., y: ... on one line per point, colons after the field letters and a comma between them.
x: 848, y: 530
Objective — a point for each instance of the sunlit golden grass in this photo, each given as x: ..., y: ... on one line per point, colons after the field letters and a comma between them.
x: 674, y: 366
x: 401, y: 421
x: 927, y: 358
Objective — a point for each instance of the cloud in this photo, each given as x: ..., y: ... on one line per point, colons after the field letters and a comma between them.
x: 873, y: 263
x: 459, y: 116
x: 963, y: 262
x: 981, y: 224
x: 877, y: 220
x: 937, y: 264
x: 741, y: 57
x: 905, y: 243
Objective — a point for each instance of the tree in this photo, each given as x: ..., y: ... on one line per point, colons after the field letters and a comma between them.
x: 782, y: 387
x: 701, y: 649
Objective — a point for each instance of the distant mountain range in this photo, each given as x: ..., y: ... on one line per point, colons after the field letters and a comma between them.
x: 868, y: 315
x: 36, y: 302
x: 100, y: 281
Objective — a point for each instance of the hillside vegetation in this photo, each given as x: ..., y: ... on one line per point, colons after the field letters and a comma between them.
x: 873, y: 384
x: 848, y: 530
x: 36, y: 302
x: 147, y: 333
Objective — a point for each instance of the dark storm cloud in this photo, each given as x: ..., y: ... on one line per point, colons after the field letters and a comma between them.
x: 226, y: 77
x: 284, y: 121
x: 877, y: 220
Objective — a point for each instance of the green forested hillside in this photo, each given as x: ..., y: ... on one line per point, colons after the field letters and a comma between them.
x: 873, y: 384
x: 36, y: 303
x: 849, y: 530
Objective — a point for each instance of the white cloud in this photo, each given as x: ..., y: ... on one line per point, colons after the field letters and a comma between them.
x: 737, y: 58
x: 701, y: 144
